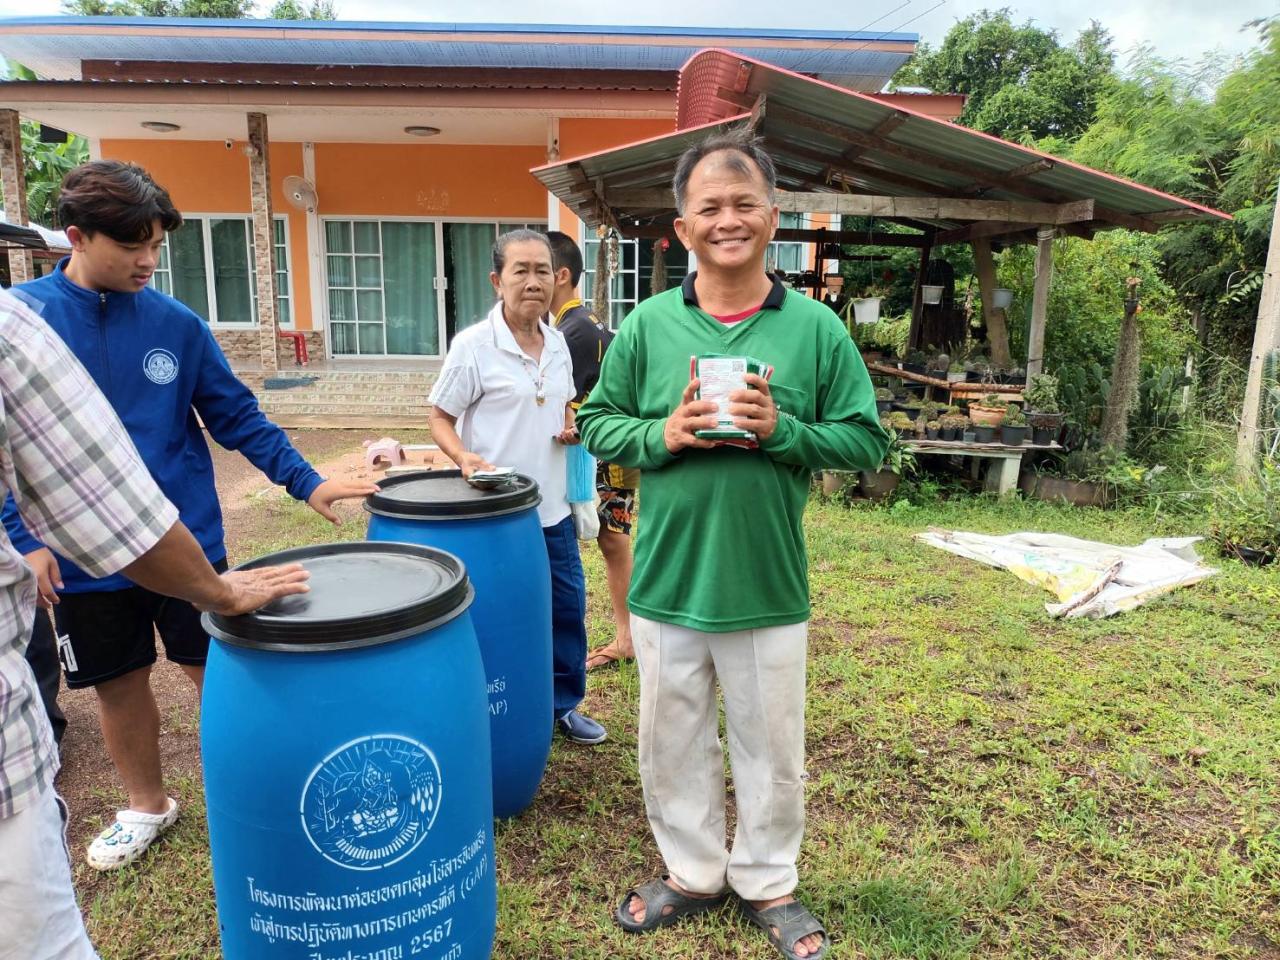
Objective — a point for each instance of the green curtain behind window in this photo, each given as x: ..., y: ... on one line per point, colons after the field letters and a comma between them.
x: 470, y: 248
x: 186, y: 257
x: 230, y: 244
x: 409, y: 301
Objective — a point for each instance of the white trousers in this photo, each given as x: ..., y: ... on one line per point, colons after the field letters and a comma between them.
x: 761, y: 674
x: 39, y: 918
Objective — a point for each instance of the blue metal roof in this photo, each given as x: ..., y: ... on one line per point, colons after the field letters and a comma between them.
x: 54, y: 46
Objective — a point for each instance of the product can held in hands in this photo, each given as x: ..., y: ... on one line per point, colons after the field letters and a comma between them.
x: 718, y: 376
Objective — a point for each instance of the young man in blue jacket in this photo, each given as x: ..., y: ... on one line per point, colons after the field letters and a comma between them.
x: 159, y: 366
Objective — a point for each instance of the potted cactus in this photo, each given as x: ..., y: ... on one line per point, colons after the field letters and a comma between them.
x: 932, y: 428
x: 1013, y: 429
x: 900, y: 424
x: 988, y: 412
x: 953, y: 426
x: 1044, y: 415
x: 884, y: 397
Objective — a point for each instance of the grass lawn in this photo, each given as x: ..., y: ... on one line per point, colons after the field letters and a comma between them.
x: 982, y: 781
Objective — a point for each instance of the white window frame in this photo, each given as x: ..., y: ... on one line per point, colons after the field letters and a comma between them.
x: 205, y: 220
x: 776, y: 247
x: 589, y: 269
x: 323, y: 308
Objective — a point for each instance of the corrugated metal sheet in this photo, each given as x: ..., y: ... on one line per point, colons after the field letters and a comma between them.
x: 810, y: 127
x: 54, y: 46
x: 946, y: 143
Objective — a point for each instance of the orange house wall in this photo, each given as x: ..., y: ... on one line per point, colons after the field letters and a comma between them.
x: 352, y: 179
x: 444, y: 180
x: 376, y: 180
x: 203, y: 176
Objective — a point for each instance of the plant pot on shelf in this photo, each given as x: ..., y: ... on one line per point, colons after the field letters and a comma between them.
x: 911, y: 412
x: 983, y: 433
x: 1002, y: 298
x: 906, y: 433
x: 969, y: 436
x: 1013, y: 436
x: 931, y: 294
x: 882, y: 406
x: 866, y: 310
x: 1045, y: 427
x: 877, y: 484
x: 936, y: 374
x: 947, y: 433
x: 956, y: 376
x: 931, y: 433
x: 985, y: 416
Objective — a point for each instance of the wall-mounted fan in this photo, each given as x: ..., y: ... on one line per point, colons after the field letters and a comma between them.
x: 301, y: 193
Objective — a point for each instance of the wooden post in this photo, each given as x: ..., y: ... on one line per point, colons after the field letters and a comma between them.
x: 1266, y: 337
x: 13, y: 183
x: 917, y: 301
x: 264, y: 240
x: 997, y: 328
x: 1040, y: 300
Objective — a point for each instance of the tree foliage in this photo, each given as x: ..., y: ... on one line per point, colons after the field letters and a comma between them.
x: 45, y: 164
x: 1161, y: 127
x: 201, y: 9
x: 1021, y: 83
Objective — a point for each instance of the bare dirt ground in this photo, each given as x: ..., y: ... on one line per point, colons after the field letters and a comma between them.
x: 87, y: 781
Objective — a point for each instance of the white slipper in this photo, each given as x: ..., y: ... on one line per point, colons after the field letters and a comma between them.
x: 129, y: 837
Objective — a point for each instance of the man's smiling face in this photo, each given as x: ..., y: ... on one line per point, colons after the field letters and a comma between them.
x: 728, y: 218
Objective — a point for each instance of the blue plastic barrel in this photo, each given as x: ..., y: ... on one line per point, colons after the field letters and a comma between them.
x: 497, y: 534
x: 345, y: 739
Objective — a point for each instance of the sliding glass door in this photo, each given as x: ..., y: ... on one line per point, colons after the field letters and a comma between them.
x: 405, y: 287
x: 382, y: 288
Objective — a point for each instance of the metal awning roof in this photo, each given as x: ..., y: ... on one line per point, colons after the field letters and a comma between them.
x: 56, y: 47
x: 825, y: 139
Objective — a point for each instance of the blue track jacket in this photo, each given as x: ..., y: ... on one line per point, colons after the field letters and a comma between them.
x: 159, y: 365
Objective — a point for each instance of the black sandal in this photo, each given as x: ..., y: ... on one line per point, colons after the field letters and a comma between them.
x: 793, y: 923
x: 657, y: 895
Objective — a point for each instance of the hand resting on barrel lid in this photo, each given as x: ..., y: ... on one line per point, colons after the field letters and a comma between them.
x: 176, y: 567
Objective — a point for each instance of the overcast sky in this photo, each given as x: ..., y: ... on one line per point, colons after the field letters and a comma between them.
x: 1183, y: 29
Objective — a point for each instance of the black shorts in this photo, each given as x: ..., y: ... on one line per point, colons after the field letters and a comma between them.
x: 102, y: 636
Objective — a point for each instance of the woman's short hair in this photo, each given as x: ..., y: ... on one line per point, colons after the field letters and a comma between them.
x: 514, y: 236
x: 116, y: 198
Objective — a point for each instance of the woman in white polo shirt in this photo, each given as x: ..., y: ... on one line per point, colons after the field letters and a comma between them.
x: 503, y: 398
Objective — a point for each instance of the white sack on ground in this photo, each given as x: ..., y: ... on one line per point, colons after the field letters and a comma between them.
x: 1090, y: 579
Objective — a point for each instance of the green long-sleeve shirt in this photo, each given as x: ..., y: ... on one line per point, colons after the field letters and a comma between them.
x: 720, y: 546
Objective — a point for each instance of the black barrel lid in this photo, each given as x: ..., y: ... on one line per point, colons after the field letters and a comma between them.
x: 444, y: 495
x: 362, y: 594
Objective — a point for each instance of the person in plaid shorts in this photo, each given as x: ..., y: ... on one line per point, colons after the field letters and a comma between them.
x: 77, y: 482
x: 588, y: 339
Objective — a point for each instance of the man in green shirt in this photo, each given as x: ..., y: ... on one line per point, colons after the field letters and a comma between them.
x: 720, y: 590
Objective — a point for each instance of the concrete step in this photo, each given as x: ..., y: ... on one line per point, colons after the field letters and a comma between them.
x: 353, y: 389
x: 330, y: 400
x: 353, y: 410
x: 365, y: 376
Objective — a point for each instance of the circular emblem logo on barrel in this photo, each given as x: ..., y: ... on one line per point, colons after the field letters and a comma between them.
x: 160, y: 366
x: 370, y: 802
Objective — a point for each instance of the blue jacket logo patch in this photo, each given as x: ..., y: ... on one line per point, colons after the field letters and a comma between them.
x: 160, y: 366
